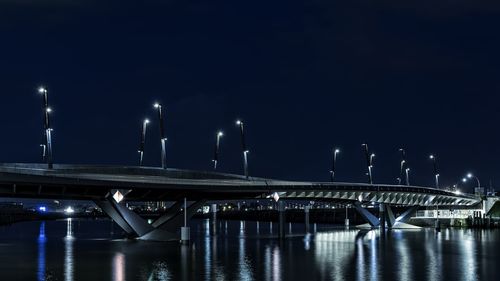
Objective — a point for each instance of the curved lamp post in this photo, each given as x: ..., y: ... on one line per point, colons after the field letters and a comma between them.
x: 470, y: 176
x: 48, y: 130
x: 240, y: 124
x: 163, y: 139
x: 336, y: 151
x: 407, y: 176
x: 219, y: 135
x: 143, y: 141
x: 436, y: 172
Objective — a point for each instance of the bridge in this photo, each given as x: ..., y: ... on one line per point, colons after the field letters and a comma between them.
x: 110, y: 186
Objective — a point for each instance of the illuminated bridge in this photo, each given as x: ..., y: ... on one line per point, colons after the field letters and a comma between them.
x: 102, y: 184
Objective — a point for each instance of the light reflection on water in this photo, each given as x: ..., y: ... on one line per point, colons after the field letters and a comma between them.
x: 247, y: 252
x: 42, y: 240
x: 68, y: 251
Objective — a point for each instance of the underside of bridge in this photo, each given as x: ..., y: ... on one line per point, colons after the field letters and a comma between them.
x: 165, y: 228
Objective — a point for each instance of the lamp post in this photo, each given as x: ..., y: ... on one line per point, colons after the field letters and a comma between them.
x: 402, y: 164
x: 370, y: 168
x: 407, y: 176
x: 240, y: 124
x: 143, y: 141
x: 369, y: 162
x: 436, y: 172
x: 44, y: 151
x: 470, y: 176
x: 163, y: 139
x: 220, y: 134
x: 48, y: 130
x: 336, y: 151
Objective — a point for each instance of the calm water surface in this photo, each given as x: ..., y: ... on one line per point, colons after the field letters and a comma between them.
x: 94, y: 250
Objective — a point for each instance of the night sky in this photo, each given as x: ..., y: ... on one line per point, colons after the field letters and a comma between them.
x: 304, y: 76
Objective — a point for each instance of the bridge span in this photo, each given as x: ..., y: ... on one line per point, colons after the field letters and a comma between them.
x: 102, y: 184
x: 80, y: 182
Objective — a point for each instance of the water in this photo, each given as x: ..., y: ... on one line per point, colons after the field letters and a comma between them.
x: 94, y: 250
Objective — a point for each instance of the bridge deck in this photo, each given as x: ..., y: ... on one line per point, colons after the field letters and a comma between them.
x: 155, y: 184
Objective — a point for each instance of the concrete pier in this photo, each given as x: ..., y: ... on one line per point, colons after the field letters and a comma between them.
x: 306, y: 212
x: 281, y: 210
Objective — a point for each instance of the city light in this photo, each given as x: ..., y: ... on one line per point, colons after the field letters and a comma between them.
x: 69, y: 210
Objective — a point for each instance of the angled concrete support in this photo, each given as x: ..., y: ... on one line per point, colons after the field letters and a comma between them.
x: 168, y: 229
x: 406, y: 216
x: 163, y: 229
x: 172, y: 212
x: 372, y: 220
x: 176, y: 221
x: 400, y: 222
x: 390, y: 219
x: 107, y: 208
x: 128, y: 220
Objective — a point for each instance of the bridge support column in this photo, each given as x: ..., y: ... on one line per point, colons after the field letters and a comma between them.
x: 372, y: 220
x: 185, y: 230
x: 346, y: 222
x: 401, y: 221
x: 306, y: 212
x: 381, y: 208
x: 281, y: 215
x: 165, y: 228
x: 386, y: 216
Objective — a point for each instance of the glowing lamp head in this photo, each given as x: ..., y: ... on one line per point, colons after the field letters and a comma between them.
x: 220, y: 134
x: 431, y: 157
x: 464, y: 180
x: 337, y: 150
x: 42, y: 90
x: 469, y: 175
x: 238, y: 122
x: 146, y: 121
x: 49, y: 110
x: 156, y: 105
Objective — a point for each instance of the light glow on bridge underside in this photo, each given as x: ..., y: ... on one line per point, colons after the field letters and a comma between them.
x: 118, y: 196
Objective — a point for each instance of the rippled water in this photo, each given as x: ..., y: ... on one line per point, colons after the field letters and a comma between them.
x: 94, y: 250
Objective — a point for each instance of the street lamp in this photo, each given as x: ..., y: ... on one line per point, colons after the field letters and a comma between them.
x: 407, y: 176
x: 336, y: 151
x: 220, y: 134
x: 44, y: 151
x: 470, y: 176
x: 436, y: 172
x: 163, y: 140
x: 402, y: 164
x: 48, y: 130
x: 370, y: 168
x: 143, y: 141
x: 369, y: 162
x: 240, y: 124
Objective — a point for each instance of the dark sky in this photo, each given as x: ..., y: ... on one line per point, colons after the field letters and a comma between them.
x: 305, y: 76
